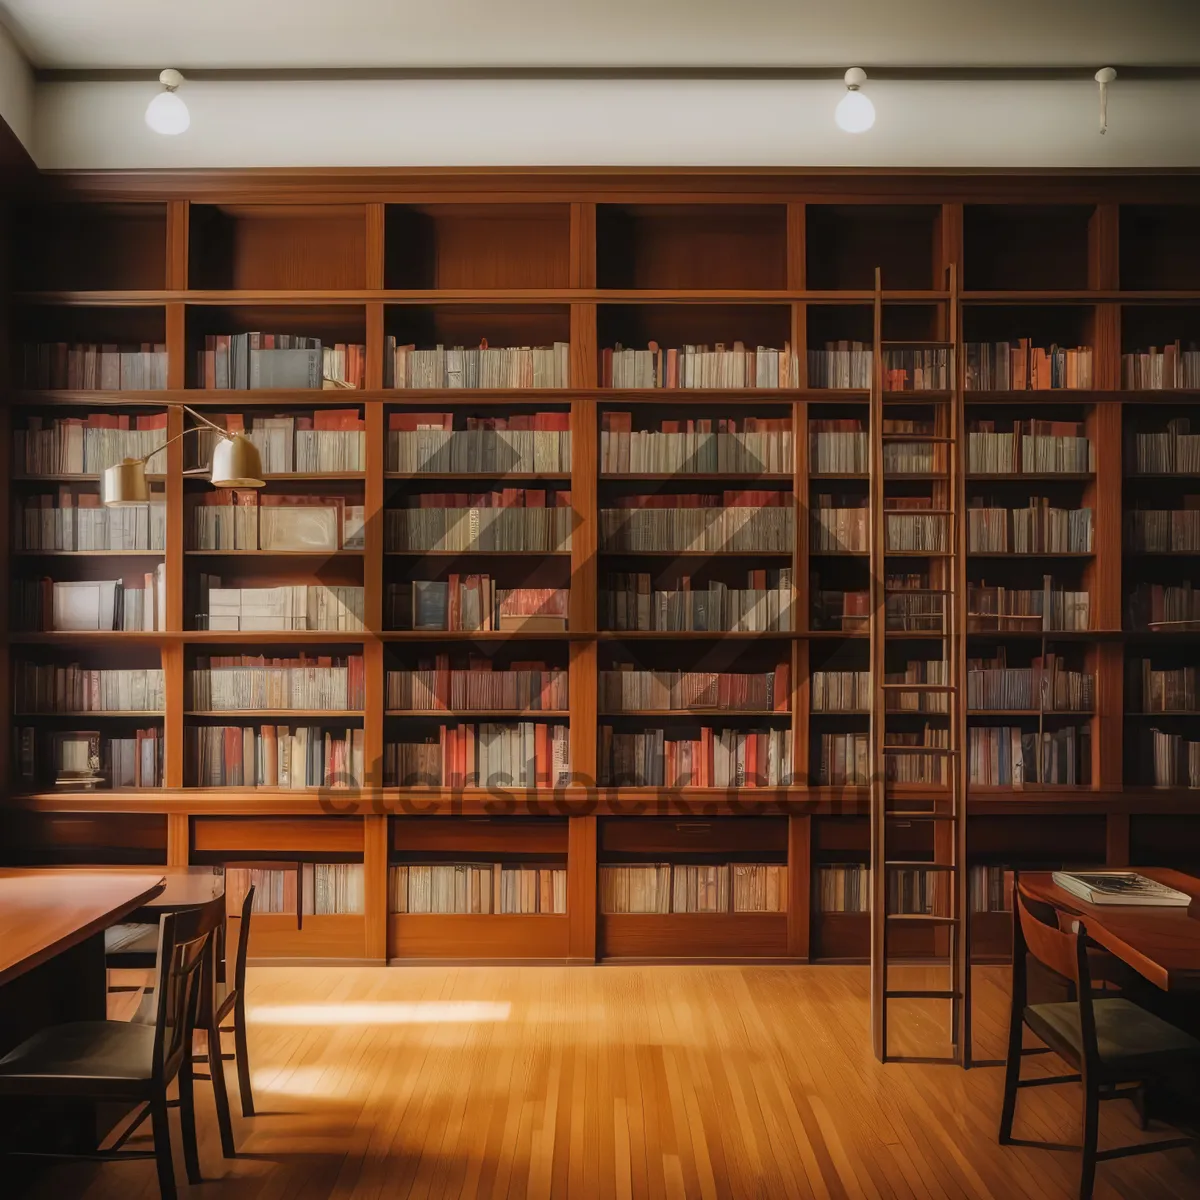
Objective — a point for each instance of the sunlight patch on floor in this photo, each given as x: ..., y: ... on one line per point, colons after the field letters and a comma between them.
x: 384, y: 1012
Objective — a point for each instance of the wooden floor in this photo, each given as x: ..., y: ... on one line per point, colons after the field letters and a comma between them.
x: 621, y: 1081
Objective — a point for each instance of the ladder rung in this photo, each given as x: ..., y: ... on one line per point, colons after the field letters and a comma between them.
x: 925, y: 866
x: 900, y: 815
x: 919, y: 687
x: 922, y: 918
x: 917, y: 994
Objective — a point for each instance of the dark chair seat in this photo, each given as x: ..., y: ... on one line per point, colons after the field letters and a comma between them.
x: 1128, y: 1037
x: 131, y: 939
x: 103, y: 1052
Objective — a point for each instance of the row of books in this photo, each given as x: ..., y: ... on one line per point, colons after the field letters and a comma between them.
x: 1009, y: 756
x: 536, y: 444
x: 482, y: 366
x: 69, y: 522
x: 909, y: 605
x: 722, y: 758
x: 330, y: 440
x: 90, y: 367
x: 627, y: 602
x: 288, y: 606
x: 1157, y: 603
x: 242, y: 519
x: 1164, y: 531
x: 1047, y: 685
x: 474, y: 602
x: 761, y: 522
x: 523, y: 754
x: 846, y: 888
x: 247, y: 681
x: 304, y: 888
x: 48, y: 687
x: 1175, y: 451
x: 1047, y: 607
x: 1020, y: 366
x: 138, y: 603
x: 922, y: 672
x: 990, y: 889
x: 277, y: 360
x: 515, y: 520
x: 1176, y: 760
x: 753, y: 445
x: 434, y: 685
x: 1158, y: 690
x: 628, y: 689
x: 685, y: 888
x: 915, y: 532
x: 839, y: 691
x: 1038, y: 528
x: 721, y: 366
x: 839, y: 524
x: 918, y: 890
x: 83, y: 760
x: 89, y: 445
x: 918, y: 369
x: 1043, y: 447
x: 280, y: 756
x: 841, y: 446
x: 471, y: 887
x: 850, y: 691
x: 845, y: 758
x: 1168, y: 368
x: 841, y: 364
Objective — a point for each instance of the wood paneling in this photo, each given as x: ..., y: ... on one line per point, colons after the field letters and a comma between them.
x: 299, y: 834
x: 581, y: 888
x: 799, y: 898
x: 481, y: 835
x: 695, y: 935
x: 496, y: 935
x: 278, y: 935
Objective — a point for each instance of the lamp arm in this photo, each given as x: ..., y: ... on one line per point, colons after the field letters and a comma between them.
x: 179, y: 436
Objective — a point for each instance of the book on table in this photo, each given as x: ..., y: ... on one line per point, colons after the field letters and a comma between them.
x: 1120, y: 887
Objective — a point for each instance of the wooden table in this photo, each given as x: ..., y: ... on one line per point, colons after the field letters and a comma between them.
x: 47, y: 913
x: 1160, y: 944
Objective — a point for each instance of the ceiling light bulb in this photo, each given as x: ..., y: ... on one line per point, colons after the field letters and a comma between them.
x: 855, y: 113
x: 167, y: 113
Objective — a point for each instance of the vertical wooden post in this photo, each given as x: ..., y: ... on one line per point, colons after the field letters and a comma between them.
x: 796, y: 247
x: 173, y: 666
x: 178, y: 220
x: 582, y: 679
x: 1105, y: 585
x: 583, y: 246
x: 376, y: 216
x: 799, y: 921
x: 581, y: 888
x: 179, y: 837
x: 585, y: 364
x: 375, y: 885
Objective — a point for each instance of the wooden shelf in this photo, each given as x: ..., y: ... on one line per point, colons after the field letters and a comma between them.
x: 681, y: 258
x: 299, y: 713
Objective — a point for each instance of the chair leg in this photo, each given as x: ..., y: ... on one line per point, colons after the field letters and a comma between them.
x: 216, y: 1071
x: 161, y: 1126
x: 1091, y: 1133
x: 242, y: 1053
x: 1012, y: 1074
x: 187, y: 1119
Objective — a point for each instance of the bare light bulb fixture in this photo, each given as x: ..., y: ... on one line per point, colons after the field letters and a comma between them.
x: 167, y: 113
x: 1104, y: 77
x: 855, y: 113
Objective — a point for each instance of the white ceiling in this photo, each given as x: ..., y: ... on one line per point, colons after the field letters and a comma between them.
x: 440, y: 33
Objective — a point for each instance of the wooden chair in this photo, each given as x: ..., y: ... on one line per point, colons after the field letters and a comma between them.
x: 126, y: 1060
x: 230, y: 998
x: 1110, y: 1042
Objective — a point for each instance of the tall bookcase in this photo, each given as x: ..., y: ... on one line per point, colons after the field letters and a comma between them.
x: 595, y: 260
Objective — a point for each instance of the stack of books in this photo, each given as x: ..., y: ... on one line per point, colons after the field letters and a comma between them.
x: 523, y: 443
x: 1020, y: 366
x: 1173, y: 451
x: 90, y: 367
x: 1047, y: 607
x: 512, y: 520
x: 523, y: 754
x: 249, y: 681
x: 47, y: 687
x: 89, y: 445
x: 331, y: 440
x: 1165, y: 531
x: 1009, y: 756
x: 478, y: 888
x: 842, y: 364
x: 474, y: 603
x: 434, y: 686
x: 628, y: 689
x: 1035, y: 447
x: 273, y: 756
x: 765, y: 604
x: 484, y: 366
x: 1046, y: 685
x: 1038, y: 528
x: 67, y: 521
x: 242, y: 519
x: 288, y: 606
x: 138, y: 603
x: 723, y: 758
x: 844, y: 888
x: 1168, y: 368
x: 736, y: 521
x: 838, y: 446
x: 699, y: 367
x: 753, y: 445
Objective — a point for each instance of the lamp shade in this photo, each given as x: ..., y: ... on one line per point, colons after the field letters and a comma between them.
x: 237, y: 463
x: 125, y: 484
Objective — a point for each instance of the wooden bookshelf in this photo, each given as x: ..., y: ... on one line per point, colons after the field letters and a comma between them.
x: 593, y: 259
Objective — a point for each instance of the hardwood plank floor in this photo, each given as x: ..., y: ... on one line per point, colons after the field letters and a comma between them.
x: 624, y: 1082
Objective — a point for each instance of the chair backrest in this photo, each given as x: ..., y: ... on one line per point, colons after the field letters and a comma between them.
x: 1059, y: 943
x: 185, y: 942
x: 239, y: 966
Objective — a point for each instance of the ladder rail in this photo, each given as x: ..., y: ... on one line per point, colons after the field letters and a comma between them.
x: 948, y: 821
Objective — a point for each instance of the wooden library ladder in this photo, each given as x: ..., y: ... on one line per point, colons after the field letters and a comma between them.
x: 896, y: 811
